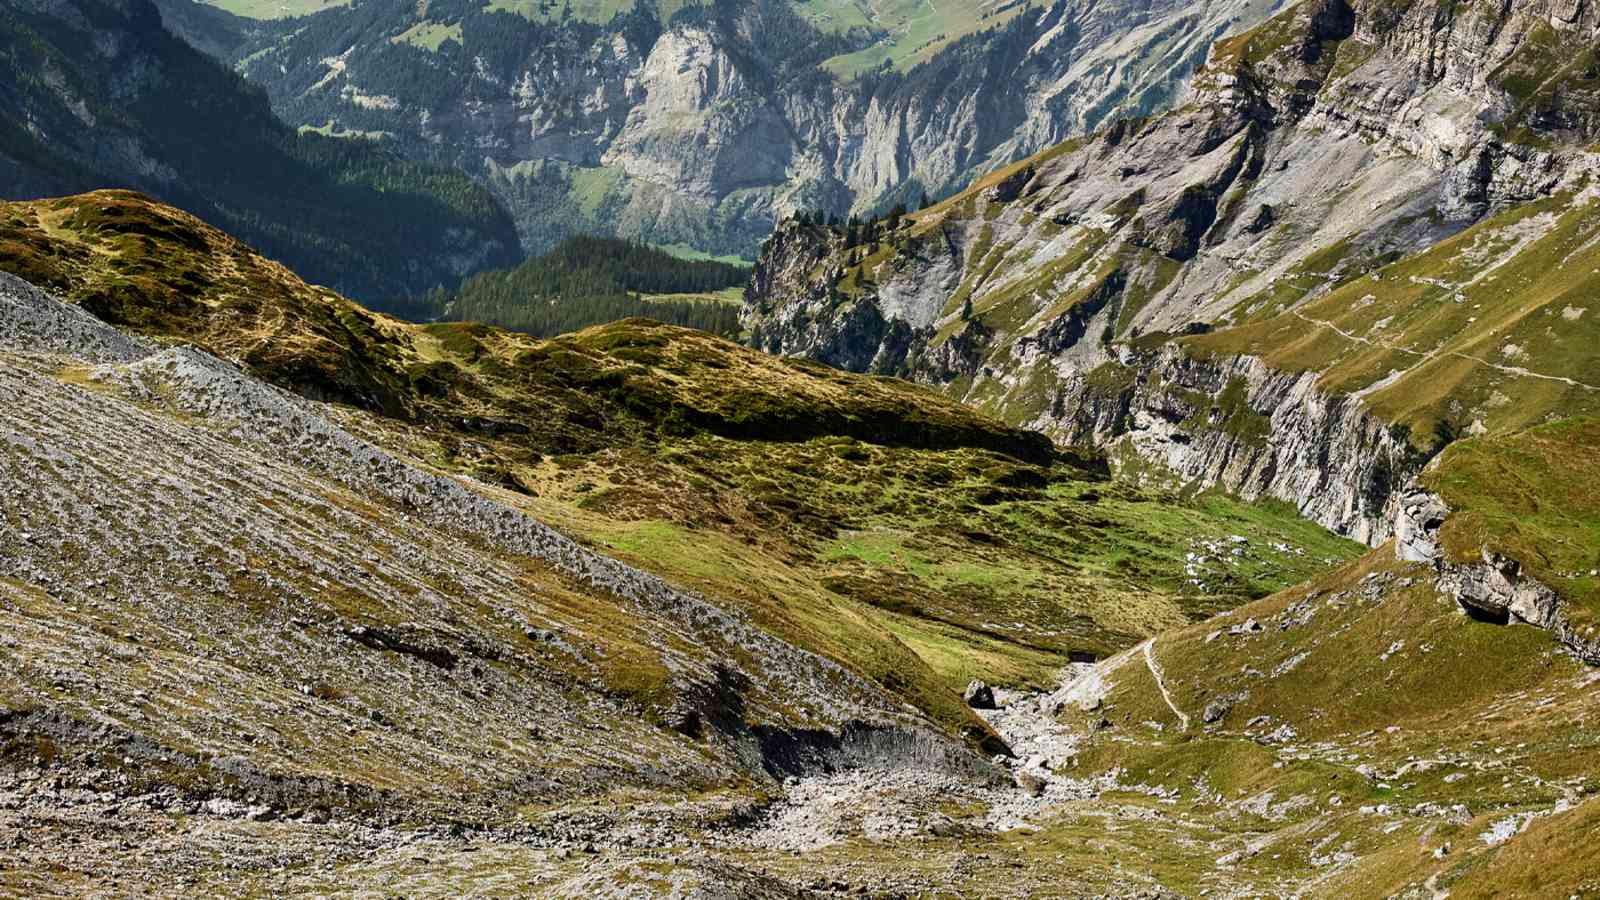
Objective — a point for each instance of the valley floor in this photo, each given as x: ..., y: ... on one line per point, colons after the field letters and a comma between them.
x: 1188, y: 811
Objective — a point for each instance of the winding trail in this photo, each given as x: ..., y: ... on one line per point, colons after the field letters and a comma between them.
x: 1155, y: 670
x: 1429, y: 356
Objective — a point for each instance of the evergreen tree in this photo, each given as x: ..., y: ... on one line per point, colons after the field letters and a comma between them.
x: 589, y: 281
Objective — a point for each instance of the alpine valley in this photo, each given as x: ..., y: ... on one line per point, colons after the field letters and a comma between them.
x: 1192, y: 498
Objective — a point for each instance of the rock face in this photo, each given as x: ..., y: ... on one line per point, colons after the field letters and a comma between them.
x: 1495, y: 587
x: 709, y: 126
x: 1418, y: 517
x: 1237, y: 423
x: 1156, y: 285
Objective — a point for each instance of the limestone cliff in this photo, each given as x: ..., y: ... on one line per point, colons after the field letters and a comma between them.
x: 1367, y: 229
x: 708, y: 126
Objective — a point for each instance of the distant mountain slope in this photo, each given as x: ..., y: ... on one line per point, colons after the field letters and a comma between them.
x: 96, y: 93
x: 1384, y: 216
x: 704, y: 124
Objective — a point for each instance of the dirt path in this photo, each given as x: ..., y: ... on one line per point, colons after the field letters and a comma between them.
x: 1155, y: 670
x: 1431, y: 355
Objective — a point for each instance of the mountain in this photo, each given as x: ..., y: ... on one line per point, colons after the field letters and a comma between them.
x: 703, y: 124
x: 1368, y: 231
x: 1239, y: 541
x: 97, y: 93
x: 284, y: 615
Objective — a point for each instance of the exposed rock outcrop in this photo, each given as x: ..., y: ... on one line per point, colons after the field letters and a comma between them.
x: 978, y: 695
x: 1236, y: 423
x: 1493, y: 588
x: 1066, y: 292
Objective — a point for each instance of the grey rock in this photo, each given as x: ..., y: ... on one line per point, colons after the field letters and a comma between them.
x: 1031, y: 781
x: 978, y: 695
x: 1218, y: 709
x: 700, y: 142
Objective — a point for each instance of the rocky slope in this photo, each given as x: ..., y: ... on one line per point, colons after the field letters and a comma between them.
x: 1367, y: 230
x: 264, y: 639
x: 706, y: 125
x: 222, y: 605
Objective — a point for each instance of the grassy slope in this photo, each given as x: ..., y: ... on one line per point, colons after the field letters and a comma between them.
x: 1530, y: 496
x: 1372, y: 670
x: 907, y: 536
x: 1496, y: 325
x: 276, y: 9
x: 1368, y: 715
x: 916, y: 29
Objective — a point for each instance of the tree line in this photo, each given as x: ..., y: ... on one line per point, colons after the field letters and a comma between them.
x: 588, y: 281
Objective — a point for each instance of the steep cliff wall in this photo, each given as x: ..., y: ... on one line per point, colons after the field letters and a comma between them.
x: 708, y: 127
x: 1236, y: 423
x: 1376, y: 225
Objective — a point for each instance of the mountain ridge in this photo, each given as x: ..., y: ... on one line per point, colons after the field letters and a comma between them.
x: 705, y: 126
x: 1046, y: 292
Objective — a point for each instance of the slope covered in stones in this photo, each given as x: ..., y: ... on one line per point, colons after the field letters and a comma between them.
x: 1369, y: 229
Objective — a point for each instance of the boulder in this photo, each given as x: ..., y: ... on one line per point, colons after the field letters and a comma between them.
x: 1031, y: 781
x: 978, y: 695
x: 1216, y: 710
